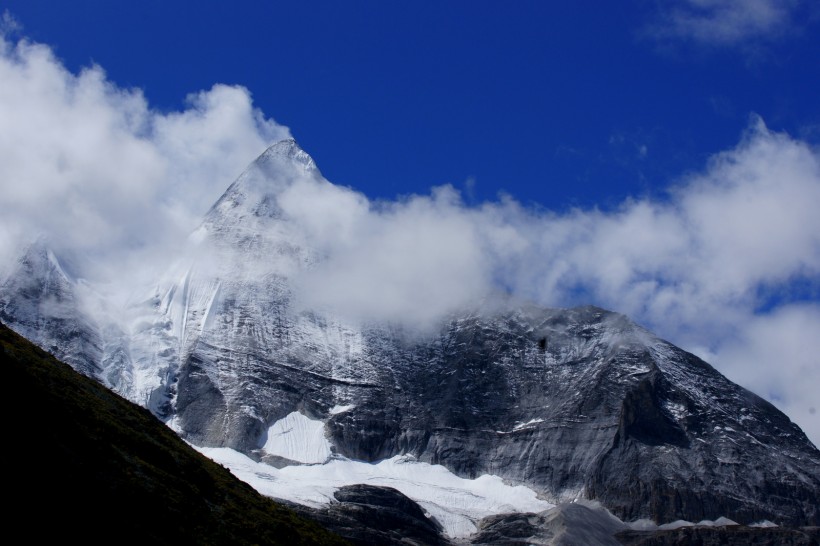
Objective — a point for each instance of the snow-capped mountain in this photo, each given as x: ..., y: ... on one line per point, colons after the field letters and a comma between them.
x: 565, y: 403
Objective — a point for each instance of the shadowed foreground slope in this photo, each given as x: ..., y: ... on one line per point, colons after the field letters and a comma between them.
x: 83, y: 463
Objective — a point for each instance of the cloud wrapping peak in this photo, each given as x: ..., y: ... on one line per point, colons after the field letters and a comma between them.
x: 96, y: 169
x: 409, y: 261
x: 712, y: 267
x: 699, y: 267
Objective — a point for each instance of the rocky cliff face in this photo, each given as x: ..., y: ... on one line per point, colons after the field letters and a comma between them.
x: 574, y: 403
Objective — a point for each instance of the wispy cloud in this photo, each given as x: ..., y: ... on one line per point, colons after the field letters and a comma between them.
x: 724, y: 22
x: 9, y: 26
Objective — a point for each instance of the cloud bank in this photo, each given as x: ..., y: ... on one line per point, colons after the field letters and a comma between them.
x: 727, y: 265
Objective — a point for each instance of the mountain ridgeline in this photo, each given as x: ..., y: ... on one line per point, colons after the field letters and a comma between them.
x: 575, y: 403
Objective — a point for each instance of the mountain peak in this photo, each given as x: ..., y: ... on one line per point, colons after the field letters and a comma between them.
x: 255, y: 192
x: 287, y: 151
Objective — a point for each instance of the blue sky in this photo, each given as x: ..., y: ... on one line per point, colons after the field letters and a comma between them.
x: 559, y: 103
x: 660, y: 159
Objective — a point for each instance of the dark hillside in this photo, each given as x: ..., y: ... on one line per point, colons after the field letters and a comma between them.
x: 84, y: 464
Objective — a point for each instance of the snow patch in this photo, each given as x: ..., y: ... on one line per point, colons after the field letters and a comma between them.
x: 677, y: 524
x: 298, y: 438
x: 649, y: 525
x: 531, y: 422
x: 337, y: 409
x: 456, y: 503
x: 720, y: 522
x: 173, y: 424
x: 520, y: 426
x: 678, y: 411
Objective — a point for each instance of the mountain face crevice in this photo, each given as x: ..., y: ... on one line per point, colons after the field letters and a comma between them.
x: 573, y: 403
x: 643, y: 418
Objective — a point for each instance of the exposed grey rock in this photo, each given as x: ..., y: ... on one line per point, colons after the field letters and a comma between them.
x: 565, y: 525
x: 368, y: 515
x: 574, y: 403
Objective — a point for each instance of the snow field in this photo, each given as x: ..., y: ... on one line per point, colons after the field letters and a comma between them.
x: 456, y: 503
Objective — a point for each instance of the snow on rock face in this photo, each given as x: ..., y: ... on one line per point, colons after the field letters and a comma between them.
x: 337, y: 409
x: 456, y: 503
x: 573, y: 403
x: 249, y: 213
x: 298, y: 438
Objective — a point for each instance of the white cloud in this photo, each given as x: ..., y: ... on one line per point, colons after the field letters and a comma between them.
x: 775, y: 355
x: 96, y: 169
x: 725, y: 22
x: 699, y: 267
x: 409, y: 261
x: 745, y: 223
